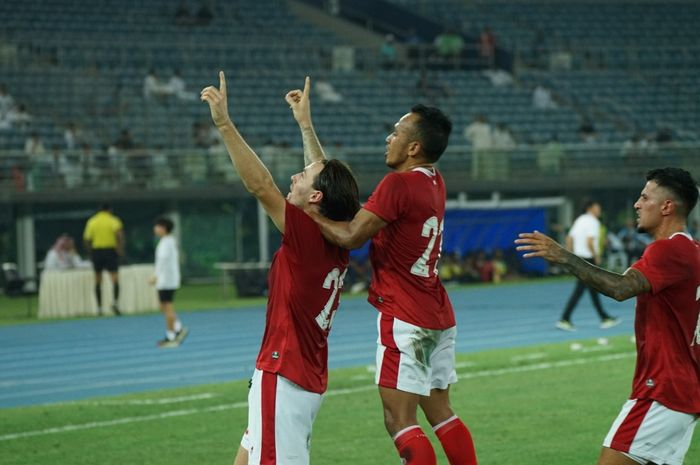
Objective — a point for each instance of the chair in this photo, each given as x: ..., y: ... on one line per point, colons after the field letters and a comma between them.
x: 14, y: 285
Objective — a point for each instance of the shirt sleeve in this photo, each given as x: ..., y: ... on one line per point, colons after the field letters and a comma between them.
x: 662, y: 265
x: 390, y: 200
x: 117, y: 224
x: 301, y: 233
x: 87, y: 234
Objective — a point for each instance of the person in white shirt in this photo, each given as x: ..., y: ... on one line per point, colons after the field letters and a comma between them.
x: 63, y: 256
x: 584, y: 240
x: 478, y: 133
x: 167, y: 281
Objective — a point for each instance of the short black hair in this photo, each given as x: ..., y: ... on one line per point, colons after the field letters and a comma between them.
x: 106, y: 207
x: 166, y: 223
x: 588, y: 203
x: 341, y: 197
x: 680, y: 183
x: 432, y: 129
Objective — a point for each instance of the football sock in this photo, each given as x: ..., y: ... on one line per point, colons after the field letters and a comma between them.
x: 98, y: 294
x: 414, y: 447
x: 457, y: 441
x: 170, y: 335
x: 178, y: 326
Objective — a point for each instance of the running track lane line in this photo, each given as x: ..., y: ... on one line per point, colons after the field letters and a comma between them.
x: 335, y: 392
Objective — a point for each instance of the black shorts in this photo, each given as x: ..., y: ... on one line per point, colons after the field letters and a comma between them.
x: 166, y: 295
x: 105, y: 259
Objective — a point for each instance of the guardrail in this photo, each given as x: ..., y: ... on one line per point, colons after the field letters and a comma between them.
x: 528, y: 167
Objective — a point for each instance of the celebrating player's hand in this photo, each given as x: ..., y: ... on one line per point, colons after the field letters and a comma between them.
x: 298, y: 101
x: 537, y: 244
x: 218, y: 104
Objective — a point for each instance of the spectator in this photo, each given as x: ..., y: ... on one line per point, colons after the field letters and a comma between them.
x: 449, y: 44
x: 487, y: 45
x: 326, y: 92
x: 153, y: 88
x: 542, y: 99
x: 633, y: 242
x: 176, y: 86
x: 587, y: 132
x: 499, y: 78
x: 19, y: 117
x: 500, y: 268
x: 550, y: 156
x: 6, y: 101
x: 72, y: 136
x: 63, y: 255
x: 478, y: 133
x: 124, y: 141
x: 33, y: 145
x: 497, y: 165
x: 450, y: 268
x: 429, y: 87
x: 388, y: 52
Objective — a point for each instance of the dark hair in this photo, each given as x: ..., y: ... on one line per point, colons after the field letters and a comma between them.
x: 106, y: 207
x: 341, y: 197
x: 587, y: 203
x: 166, y: 223
x: 680, y: 183
x: 432, y: 129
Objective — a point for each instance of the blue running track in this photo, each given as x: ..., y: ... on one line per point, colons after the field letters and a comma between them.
x: 73, y: 360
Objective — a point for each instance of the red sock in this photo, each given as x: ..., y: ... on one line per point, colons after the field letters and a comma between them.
x: 456, y: 441
x: 414, y: 447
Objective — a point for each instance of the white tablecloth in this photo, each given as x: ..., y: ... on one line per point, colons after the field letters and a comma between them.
x: 72, y: 292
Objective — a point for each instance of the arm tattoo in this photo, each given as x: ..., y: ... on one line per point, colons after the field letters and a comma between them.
x: 618, y: 286
x: 312, y: 147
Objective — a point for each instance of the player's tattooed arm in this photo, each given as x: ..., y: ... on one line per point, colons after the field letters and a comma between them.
x: 615, y: 285
x: 299, y: 103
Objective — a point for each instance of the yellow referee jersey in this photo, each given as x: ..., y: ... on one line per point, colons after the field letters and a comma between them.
x: 101, y: 230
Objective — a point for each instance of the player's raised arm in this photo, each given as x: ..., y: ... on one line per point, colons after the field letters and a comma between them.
x: 350, y: 234
x: 298, y: 101
x: 255, y: 176
x: 618, y: 286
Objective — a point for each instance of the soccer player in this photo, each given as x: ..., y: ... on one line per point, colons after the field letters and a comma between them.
x: 656, y: 425
x: 305, y: 279
x: 167, y: 282
x: 104, y: 241
x: 416, y: 323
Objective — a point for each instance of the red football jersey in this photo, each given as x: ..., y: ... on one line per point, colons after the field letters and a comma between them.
x: 667, y: 325
x: 405, y: 253
x: 304, y: 283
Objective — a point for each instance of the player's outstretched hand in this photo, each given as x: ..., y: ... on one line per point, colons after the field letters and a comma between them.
x: 536, y: 244
x: 218, y: 104
x: 298, y: 101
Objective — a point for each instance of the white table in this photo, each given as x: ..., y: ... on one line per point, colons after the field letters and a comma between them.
x: 69, y: 293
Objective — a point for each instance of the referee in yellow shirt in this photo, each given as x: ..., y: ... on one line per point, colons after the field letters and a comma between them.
x: 104, y: 241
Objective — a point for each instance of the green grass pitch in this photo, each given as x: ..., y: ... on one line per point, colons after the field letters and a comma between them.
x: 527, y: 406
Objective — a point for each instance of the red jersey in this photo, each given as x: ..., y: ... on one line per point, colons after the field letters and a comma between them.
x: 667, y: 325
x: 405, y: 253
x: 304, y: 283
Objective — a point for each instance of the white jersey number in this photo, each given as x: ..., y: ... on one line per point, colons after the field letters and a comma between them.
x: 696, y: 336
x: 432, y: 229
x: 334, y: 280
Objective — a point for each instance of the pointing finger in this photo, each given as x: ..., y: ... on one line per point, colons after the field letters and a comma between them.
x: 222, y: 83
x: 307, y: 86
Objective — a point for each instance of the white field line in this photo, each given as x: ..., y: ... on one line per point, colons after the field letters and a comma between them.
x: 531, y: 356
x: 163, y: 401
x: 335, y: 392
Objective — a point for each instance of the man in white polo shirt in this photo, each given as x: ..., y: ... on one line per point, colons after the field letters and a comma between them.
x: 584, y: 241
